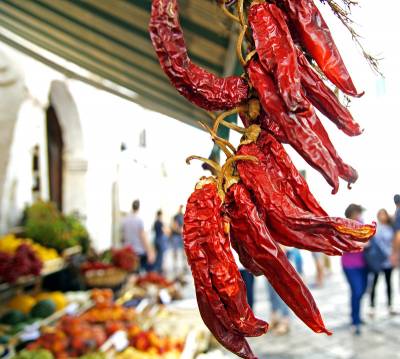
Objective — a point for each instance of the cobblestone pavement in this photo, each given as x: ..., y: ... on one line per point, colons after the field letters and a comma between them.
x: 379, y: 338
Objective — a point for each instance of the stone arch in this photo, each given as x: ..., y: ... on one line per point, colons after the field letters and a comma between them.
x: 74, y: 156
x: 12, y: 94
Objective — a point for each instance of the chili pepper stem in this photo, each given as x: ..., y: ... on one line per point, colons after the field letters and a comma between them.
x: 211, y: 163
x: 239, y: 46
x: 228, y: 13
x: 224, y: 115
x: 240, y: 6
x: 221, y: 142
x: 226, y: 180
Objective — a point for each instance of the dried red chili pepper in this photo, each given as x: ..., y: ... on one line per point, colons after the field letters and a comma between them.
x: 315, y: 36
x: 324, y: 99
x: 245, y: 258
x: 262, y: 180
x: 199, y: 86
x: 294, y: 127
x: 291, y: 182
x: 277, y: 52
x: 212, y: 263
x: 348, y: 173
x: 253, y: 236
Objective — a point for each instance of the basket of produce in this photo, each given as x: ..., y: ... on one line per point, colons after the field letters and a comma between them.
x: 109, y: 269
x: 154, y: 280
x: 108, y: 277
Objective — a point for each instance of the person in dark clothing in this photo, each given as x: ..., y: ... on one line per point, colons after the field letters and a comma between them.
x: 384, y: 239
x: 177, y: 241
x: 160, y: 242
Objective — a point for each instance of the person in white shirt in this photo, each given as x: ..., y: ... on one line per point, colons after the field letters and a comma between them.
x: 134, y: 235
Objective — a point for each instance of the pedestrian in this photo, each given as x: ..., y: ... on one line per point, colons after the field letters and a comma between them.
x: 383, y: 239
x: 356, y: 272
x: 134, y: 235
x: 248, y: 279
x: 295, y: 257
x: 280, y: 322
x: 396, y: 227
x: 319, y: 269
x: 177, y: 241
x: 160, y: 242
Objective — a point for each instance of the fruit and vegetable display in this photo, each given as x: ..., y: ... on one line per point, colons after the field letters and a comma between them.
x: 10, y: 243
x: 153, y: 278
x: 24, y: 261
x: 122, y: 258
x: 24, y: 310
x: 83, y: 335
x: 44, y: 224
x: 258, y: 200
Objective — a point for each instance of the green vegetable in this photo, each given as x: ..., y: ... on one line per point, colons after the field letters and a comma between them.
x: 93, y: 356
x: 15, y: 329
x: 44, y: 223
x: 4, y: 339
x: 13, y: 317
x: 43, y: 309
x: 34, y: 354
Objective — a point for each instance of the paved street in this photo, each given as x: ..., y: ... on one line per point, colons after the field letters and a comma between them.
x: 379, y: 339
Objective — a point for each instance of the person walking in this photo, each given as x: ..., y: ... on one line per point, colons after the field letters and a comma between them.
x: 383, y: 239
x: 248, y: 279
x: 133, y: 234
x: 280, y: 322
x: 396, y: 227
x: 160, y: 242
x: 356, y: 272
x: 177, y: 241
x: 294, y: 256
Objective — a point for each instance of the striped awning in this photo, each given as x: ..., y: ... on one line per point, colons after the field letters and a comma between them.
x: 109, y: 40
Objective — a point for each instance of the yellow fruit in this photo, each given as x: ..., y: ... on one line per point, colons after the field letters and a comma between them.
x: 22, y: 302
x: 59, y: 299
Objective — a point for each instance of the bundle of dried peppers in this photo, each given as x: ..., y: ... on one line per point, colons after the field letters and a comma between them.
x: 257, y: 201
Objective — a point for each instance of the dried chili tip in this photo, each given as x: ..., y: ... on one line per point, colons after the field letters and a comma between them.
x: 364, y: 232
x: 315, y: 36
x: 324, y: 99
x: 253, y: 237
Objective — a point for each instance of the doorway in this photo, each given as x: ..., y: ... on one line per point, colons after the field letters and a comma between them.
x: 55, y: 148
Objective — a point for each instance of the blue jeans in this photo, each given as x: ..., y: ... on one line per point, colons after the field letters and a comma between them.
x: 277, y: 304
x: 248, y: 279
x: 160, y: 246
x: 294, y: 255
x: 358, y: 280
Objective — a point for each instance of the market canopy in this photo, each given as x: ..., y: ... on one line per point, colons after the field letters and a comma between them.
x: 109, y: 39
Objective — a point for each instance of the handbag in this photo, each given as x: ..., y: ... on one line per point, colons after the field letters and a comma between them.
x: 374, y: 256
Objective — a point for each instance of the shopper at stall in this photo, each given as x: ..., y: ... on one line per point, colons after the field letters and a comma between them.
x: 160, y: 242
x: 356, y: 272
x: 176, y: 240
x: 134, y: 235
x: 383, y: 240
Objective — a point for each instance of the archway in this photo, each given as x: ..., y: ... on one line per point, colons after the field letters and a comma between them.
x: 74, y: 163
x: 55, y: 157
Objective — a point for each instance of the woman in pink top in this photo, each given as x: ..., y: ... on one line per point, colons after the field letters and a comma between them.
x: 355, y: 269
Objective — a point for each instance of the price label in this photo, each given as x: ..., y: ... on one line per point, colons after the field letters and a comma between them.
x: 165, y: 297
